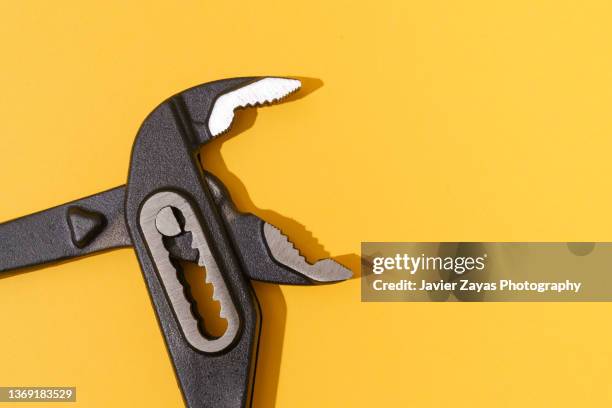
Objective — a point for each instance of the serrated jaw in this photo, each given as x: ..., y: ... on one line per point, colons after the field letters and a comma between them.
x: 264, y: 91
x: 283, y: 250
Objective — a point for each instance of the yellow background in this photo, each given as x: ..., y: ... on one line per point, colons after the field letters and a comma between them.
x: 422, y: 121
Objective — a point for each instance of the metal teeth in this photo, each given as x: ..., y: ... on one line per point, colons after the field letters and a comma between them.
x: 214, y: 277
x: 209, y: 275
x: 265, y: 91
x: 283, y: 250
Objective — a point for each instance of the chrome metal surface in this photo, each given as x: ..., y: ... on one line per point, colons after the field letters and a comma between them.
x: 153, y: 209
x: 325, y: 270
x: 264, y: 91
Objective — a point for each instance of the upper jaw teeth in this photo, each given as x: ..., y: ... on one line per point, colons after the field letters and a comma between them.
x: 263, y: 91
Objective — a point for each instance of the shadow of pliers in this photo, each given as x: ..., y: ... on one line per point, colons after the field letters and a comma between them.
x: 171, y: 210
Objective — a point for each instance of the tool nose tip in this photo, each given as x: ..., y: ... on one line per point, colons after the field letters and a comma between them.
x: 334, y: 272
x: 264, y: 91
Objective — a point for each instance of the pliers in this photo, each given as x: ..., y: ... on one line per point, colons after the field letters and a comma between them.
x: 172, y: 211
